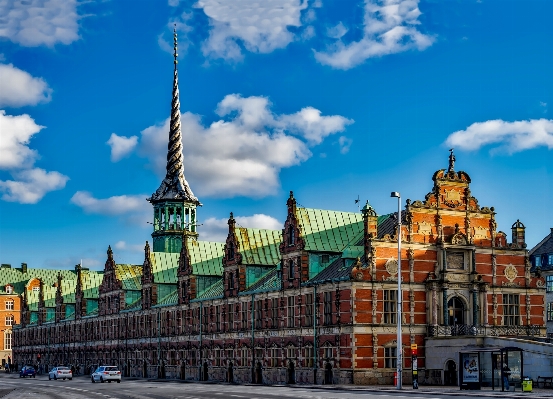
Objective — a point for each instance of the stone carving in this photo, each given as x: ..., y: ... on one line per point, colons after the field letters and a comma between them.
x: 480, y: 232
x: 456, y: 260
x: 459, y: 239
x: 424, y: 228
x: 511, y: 272
x: 391, y: 266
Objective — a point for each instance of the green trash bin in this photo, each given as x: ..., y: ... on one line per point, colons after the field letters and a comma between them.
x: 526, y: 385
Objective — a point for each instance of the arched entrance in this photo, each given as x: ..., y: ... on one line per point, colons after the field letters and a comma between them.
x: 456, y: 312
x: 450, y: 373
x: 328, y: 374
x: 258, y: 374
x: 291, y: 371
x: 230, y: 372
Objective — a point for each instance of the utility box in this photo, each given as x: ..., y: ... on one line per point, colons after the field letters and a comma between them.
x: 526, y: 385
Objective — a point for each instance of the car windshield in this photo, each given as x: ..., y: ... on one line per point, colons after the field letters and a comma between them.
x: 63, y: 368
x: 111, y: 368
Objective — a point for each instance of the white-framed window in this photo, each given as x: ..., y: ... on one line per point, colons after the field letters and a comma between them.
x: 390, y: 357
x: 274, y: 357
x: 8, y: 340
x: 511, y: 310
x: 328, y: 352
x: 549, y: 283
x: 9, y: 304
x: 327, y: 307
x: 550, y: 257
x: 290, y: 312
x: 308, y: 354
x: 10, y: 320
x: 390, y: 306
x: 291, y: 352
x: 9, y: 289
x: 550, y: 311
x: 244, y: 356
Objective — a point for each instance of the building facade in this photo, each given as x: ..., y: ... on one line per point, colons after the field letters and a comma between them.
x: 541, y: 257
x: 314, y: 302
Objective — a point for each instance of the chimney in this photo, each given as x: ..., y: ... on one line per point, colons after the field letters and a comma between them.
x: 24, y: 268
x: 519, y: 234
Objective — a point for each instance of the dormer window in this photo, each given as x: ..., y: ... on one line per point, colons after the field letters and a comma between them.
x: 36, y: 289
x: 231, y: 251
x: 537, y: 260
x: 291, y: 236
x: 291, y: 270
x: 8, y: 289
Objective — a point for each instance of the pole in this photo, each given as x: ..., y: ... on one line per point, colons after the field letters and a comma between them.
x: 399, y: 348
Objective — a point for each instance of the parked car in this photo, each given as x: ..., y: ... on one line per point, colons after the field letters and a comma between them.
x: 106, y: 373
x: 60, y: 372
x: 27, y: 371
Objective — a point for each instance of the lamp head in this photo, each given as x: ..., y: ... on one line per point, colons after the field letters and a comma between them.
x: 395, y: 194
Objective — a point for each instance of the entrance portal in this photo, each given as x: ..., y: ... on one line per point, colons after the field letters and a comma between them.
x: 258, y: 374
x: 291, y: 373
x: 328, y: 374
x: 450, y: 373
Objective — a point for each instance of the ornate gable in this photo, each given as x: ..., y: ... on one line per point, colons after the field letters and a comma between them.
x: 291, y: 234
x: 231, y: 260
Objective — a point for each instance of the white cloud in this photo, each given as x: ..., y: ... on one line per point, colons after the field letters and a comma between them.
x: 16, y: 134
x: 260, y: 27
x: 345, y: 144
x: 31, y: 185
x: 121, y: 146
x: 243, y: 153
x: 509, y: 136
x: 123, y: 246
x: 116, y: 205
x: 213, y: 229
x: 39, y: 22
x: 336, y: 32
x: 19, y: 88
x: 389, y: 27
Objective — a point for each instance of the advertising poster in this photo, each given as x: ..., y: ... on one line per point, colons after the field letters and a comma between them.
x: 470, y: 367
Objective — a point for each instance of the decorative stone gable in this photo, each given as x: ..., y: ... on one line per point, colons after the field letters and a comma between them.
x: 60, y: 307
x: 111, y: 295
x: 291, y: 234
x: 294, y: 262
x: 186, y: 281
x: 232, y: 260
x: 80, y: 301
x: 149, y: 289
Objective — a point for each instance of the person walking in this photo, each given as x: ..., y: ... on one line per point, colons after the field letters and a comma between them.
x: 506, y: 374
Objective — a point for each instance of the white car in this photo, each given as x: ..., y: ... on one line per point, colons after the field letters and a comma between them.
x: 106, y: 373
x: 60, y: 372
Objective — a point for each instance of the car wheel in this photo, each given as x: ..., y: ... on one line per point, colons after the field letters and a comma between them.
x: 109, y: 381
x: 102, y: 380
x: 64, y: 379
x: 92, y: 380
x: 70, y: 379
x: 118, y: 381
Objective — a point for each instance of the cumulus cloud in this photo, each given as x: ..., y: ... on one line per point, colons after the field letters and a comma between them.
x: 390, y: 26
x: 16, y: 134
x: 123, y: 246
x: 31, y: 185
x: 39, y: 22
x: 508, y: 136
x: 121, y: 146
x: 112, y: 206
x: 214, y: 229
x: 243, y: 153
x: 259, y: 27
x: 345, y: 144
x: 18, y: 88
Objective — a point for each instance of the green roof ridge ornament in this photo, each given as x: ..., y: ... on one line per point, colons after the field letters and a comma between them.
x: 367, y: 209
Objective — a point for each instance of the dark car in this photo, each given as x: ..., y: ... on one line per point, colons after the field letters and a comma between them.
x: 27, y: 371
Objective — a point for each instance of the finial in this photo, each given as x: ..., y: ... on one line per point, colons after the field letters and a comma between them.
x: 451, y: 161
x: 175, y: 45
x: 231, y: 215
x: 147, y: 248
x: 110, y: 252
x: 291, y: 194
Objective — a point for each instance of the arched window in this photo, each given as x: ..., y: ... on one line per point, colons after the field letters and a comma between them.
x: 291, y: 269
x: 10, y: 320
x: 231, y: 251
x: 8, y: 340
x: 291, y: 235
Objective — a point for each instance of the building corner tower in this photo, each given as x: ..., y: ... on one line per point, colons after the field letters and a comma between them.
x: 174, y: 202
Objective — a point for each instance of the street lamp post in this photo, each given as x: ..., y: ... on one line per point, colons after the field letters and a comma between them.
x: 399, y: 349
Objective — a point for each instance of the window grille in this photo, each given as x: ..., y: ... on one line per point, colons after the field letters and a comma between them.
x: 10, y: 320
x: 390, y: 357
x: 327, y: 307
x: 511, y: 310
x: 549, y: 283
x: 231, y: 317
x: 550, y: 311
x: 290, y: 312
x: 308, y: 310
x: 9, y: 305
x: 308, y: 354
x: 244, y: 318
x: 274, y: 312
x: 390, y: 306
x: 8, y: 340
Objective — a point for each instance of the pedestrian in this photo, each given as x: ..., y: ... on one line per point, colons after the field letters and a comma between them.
x: 506, y: 374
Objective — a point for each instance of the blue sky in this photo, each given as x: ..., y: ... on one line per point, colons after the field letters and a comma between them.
x: 331, y: 99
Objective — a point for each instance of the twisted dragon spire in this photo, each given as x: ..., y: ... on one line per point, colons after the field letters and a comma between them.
x: 174, y: 186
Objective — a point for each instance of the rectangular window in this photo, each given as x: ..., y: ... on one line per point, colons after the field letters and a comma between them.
x: 327, y: 307
x: 258, y: 314
x: 328, y: 353
x: 274, y: 312
x: 244, y: 357
x: 290, y: 312
x: 291, y: 352
x: 390, y: 358
x: 537, y: 260
x: 244, y: 318
x: 217, y: 318
x: 390, y: 306
x: 550, y: 311
x: 549, y: 283
x: 308, y: 356
x: 274, y: 355
x: 231, y: 317
x: 9, y: 320
x: 217, y: 355
x: 550, y: 262
x: 511, y: 310
x: 8, y: 340
x: 9, y: 305
x: 325, y: 258
x: 308, y: 310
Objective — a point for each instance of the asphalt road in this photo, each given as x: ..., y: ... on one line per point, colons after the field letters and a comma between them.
x: 81, y: 388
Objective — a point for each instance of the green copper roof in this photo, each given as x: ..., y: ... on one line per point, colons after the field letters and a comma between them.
x: 329, y: 231
x: 206, y: 257
x: 130, y: 276
x: 353, y: 251
x: 164, y: 267
x: 214, y: 291
x: 171, y: 299
x: 259, y: 247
